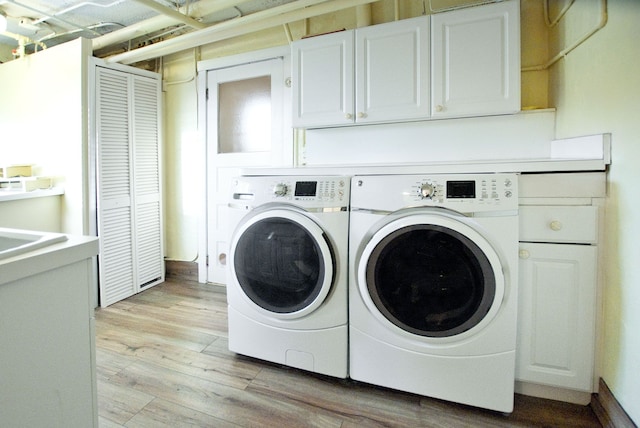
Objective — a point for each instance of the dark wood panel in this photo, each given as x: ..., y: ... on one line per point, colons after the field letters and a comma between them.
x: 163, y: 361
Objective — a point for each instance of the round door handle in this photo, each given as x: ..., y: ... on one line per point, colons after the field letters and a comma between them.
x: 555, y: 225
x: 524, y: 254
x: 348, y: 116
x: 439, y: 108
x: 361, y: 115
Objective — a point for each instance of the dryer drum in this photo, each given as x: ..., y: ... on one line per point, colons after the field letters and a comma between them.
x: 279, y: 265
x: 430, y: 280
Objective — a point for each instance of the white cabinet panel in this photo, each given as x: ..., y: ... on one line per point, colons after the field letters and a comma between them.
x: 373, y: 74
x: 322, y: 75
x: 476, y: 61
x: 392, y: 71
x: 571, y: 224
x: 556, y: 319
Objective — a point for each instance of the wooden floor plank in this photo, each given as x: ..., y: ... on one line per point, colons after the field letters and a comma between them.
x: 160, y: 413
x: 230, y: 372
x: 163, y: 361
x: 118, y: 403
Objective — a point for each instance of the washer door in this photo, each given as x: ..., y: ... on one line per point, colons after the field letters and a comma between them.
x: 283, y: 262
x: 431, y: 275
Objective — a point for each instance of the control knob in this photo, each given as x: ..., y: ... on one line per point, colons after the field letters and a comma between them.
x: 280, y: 189
x: 427, y: 190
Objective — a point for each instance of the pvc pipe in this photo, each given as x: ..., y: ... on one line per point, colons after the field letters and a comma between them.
x: 187, y: 20
x: 564, y: 52
x: 202, y: 8
x: 269, y: 18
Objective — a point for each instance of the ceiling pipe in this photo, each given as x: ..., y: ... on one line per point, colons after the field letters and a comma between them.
x: 200, y: 9
x: 180, y: 17
x: 55, y: 18
x: 258, y: 21
x: 78, y: 6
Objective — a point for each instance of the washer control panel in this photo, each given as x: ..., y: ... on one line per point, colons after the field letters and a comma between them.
x: 301, y: 190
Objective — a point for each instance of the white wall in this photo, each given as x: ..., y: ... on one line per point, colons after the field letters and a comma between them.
x: 596, y: 89
x: 183, y: 180
x: 43, y: 121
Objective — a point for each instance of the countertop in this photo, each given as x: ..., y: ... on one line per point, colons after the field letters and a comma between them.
x: 13, y: 195
x: 74, y: 249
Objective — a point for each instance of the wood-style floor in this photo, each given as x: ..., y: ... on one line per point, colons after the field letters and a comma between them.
x: 163, y: 362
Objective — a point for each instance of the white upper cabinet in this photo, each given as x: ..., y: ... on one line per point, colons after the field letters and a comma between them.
x: 460, y: 63
x: 476, y: 61
x: 392, y: 71
x: 374, y: 74
x: 322, y: 80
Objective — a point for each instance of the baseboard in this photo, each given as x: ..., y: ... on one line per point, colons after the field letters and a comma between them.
x: 607, y: 409
x: 182, y: 271
x: 582, y: 398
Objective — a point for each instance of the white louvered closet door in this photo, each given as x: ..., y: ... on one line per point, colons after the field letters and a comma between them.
x: 128, y: 184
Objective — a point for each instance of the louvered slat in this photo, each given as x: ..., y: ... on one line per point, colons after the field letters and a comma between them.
x: 129, y: 200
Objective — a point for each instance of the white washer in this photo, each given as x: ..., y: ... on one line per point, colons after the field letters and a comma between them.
x: 287, y: 288
x: 433, y: 285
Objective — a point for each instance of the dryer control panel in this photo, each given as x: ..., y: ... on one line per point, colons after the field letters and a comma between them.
x: 484, y: 189
x: 460, y: 192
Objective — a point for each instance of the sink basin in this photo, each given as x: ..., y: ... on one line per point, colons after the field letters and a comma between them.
x: 15, y: 241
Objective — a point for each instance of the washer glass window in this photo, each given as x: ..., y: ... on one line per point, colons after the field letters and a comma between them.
x: 430, y: 280
x: 279, y: 265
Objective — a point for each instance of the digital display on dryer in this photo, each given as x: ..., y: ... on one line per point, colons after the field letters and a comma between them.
x: 463, y: 189
x: 306, y: 188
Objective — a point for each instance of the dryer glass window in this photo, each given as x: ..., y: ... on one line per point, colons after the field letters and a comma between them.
x: 279, y: 265
x: 431, y: 280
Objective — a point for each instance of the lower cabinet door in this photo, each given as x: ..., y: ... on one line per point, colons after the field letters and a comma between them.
x: 557, y: 315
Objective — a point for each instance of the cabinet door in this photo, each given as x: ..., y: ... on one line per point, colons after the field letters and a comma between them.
x: 556, y: 319
x: 476, y: 61
x: 322, y: 80
x: 392, y: 71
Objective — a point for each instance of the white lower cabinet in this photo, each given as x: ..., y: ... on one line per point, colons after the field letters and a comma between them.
x: 557, y: 314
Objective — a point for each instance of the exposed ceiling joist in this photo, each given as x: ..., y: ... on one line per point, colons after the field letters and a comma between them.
x: 258, y: 21
x: 172, y: 13
x: 159, y: 22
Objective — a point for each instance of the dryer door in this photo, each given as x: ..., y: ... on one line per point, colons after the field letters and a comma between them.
x: 283, y: 263
x: 431, y: 275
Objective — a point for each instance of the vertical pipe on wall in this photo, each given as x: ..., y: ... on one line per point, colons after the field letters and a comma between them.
x: 287, y: 32
x: 363, y: 15
x: 564, y: 52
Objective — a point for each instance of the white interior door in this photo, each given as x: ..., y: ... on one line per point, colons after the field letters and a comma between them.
x: 245, y: 126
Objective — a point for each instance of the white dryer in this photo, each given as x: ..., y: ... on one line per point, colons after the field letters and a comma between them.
x: 287, y: 288
x: 433, y: 285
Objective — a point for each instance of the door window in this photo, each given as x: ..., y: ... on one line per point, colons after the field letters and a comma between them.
x: 430, y: 280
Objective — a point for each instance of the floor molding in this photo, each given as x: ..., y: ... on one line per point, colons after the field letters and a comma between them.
x: 607, y: 409
x: 184, y: 271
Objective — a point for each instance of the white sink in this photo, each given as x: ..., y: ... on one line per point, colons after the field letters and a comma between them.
x: 15, y: 241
